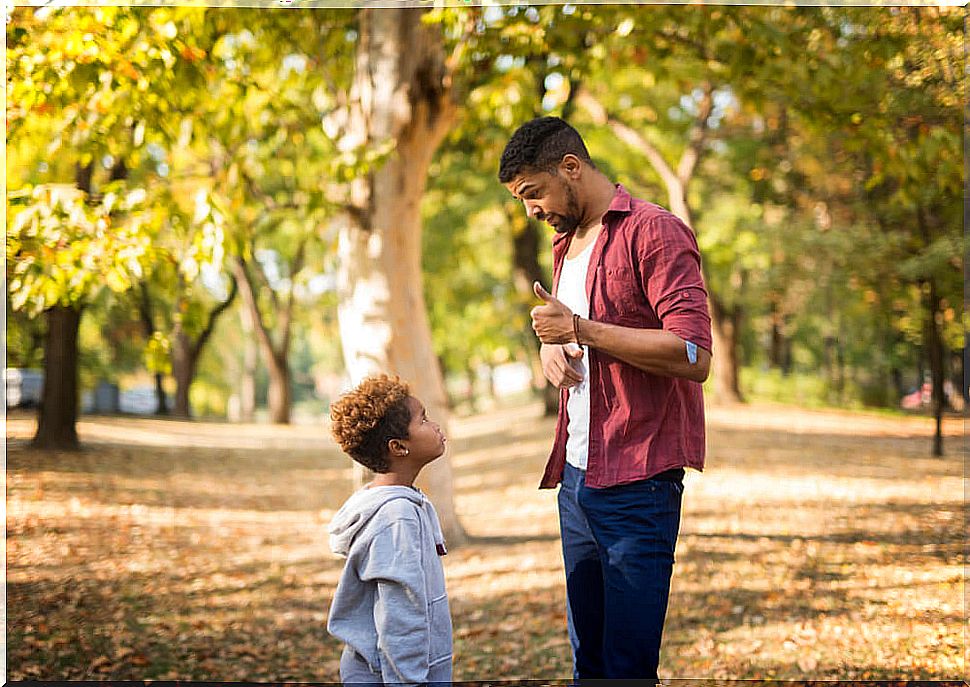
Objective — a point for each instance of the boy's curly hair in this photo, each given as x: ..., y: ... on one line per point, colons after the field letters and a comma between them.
x: 365, y: 419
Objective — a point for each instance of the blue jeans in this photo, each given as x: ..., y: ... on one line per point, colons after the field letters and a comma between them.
x: 618, y: 547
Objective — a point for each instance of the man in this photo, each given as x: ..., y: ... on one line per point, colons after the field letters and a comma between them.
x: 627, y: 340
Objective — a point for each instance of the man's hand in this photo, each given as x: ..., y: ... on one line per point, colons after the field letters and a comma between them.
x: 552, y: 321
x: 557, y: 365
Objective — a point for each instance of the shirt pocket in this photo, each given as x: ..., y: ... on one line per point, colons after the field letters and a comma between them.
x: 621, y: 291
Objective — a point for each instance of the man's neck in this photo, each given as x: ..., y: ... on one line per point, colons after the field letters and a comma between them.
x: 601, y: 197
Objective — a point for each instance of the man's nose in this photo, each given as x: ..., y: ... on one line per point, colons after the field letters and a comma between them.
x: 532, y: 210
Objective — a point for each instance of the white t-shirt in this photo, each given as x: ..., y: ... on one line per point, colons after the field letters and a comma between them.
x: 572, y: 292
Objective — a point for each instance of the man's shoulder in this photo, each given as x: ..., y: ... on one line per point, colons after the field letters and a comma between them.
x: 643, y: 212
x: 648, y: 221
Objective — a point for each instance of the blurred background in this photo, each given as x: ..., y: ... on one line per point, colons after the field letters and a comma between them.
x: 229, y: 215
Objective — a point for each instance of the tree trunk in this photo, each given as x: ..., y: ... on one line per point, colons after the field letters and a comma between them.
x: 185, y: 357
x: 935, y: 353
x: 725, y: 330
x: 247, y: 385
x: 398, y: 98
x: 275, y: 356
x: 278, y: 397
x: 57, y: 425
x: 526, y: 270
x: 57, y: 422
x: 148, y: 327
x: 184, y: 361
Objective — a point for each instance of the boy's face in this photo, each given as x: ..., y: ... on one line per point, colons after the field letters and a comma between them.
x: 425, y: 439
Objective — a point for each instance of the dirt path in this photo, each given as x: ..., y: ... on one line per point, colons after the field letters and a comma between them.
x: 816, y: 545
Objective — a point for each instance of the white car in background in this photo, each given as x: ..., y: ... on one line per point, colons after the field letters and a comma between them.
x: 25, y: 387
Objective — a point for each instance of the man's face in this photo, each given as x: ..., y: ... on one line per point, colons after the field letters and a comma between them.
x: 548, y: 197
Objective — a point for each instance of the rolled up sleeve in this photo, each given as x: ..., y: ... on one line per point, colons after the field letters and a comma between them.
x: 672, y: 280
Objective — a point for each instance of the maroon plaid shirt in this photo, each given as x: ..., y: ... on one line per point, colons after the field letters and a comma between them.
x: 645, y: 272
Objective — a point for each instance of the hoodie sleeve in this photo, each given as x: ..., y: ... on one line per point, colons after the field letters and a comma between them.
x: 394, y: 563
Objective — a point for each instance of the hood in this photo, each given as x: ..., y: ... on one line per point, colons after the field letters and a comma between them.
x: 363, y: 505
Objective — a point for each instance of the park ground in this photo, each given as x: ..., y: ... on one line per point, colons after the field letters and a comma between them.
x: 816, y: 545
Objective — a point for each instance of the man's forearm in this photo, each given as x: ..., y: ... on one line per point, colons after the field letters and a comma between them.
x: 655, y: 351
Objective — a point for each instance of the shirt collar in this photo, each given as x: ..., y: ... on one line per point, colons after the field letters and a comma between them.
x: 622, y: 202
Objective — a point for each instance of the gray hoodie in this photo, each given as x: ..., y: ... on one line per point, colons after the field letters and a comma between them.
x: 390, y: 606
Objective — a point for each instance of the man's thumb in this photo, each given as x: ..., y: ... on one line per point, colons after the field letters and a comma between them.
x: 573, y: 351
x: 541, y: 292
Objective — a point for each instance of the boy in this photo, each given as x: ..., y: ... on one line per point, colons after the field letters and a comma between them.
x: 390, y: 608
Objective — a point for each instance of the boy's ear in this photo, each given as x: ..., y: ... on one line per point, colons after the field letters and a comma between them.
x: 397, y: 449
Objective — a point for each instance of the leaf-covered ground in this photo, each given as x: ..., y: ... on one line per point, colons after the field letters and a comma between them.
x: 817, y: 545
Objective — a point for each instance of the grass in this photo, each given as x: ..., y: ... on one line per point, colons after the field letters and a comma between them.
x: 817, y: 545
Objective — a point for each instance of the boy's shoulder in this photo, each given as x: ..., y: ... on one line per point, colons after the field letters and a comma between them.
x: 398, y: 508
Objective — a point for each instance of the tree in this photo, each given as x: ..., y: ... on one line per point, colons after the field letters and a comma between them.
x: 62, y: 249
x: 400, y: 101
x: 86, y: 95
x: 898, y: 139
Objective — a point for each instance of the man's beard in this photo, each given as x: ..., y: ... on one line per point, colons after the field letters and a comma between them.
x: 570, y: 221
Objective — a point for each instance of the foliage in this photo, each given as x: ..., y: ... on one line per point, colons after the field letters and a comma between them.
x: 823, y: 212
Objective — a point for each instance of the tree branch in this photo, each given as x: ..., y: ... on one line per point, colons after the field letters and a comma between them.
x: 240, y: 271
x: 264, y: 282
x: 214, y: 315
x: 286, y: 319
x: 697, y: 136
x: 675, y: 189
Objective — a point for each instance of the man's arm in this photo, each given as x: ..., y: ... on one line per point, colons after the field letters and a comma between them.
x: 656, y: 351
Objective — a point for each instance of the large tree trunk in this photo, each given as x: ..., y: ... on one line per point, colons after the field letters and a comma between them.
x: 56, y: 428
x: 398, y: 98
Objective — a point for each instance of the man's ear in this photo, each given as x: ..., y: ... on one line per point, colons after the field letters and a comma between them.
x: 396, y: 448
x: 571, y: 167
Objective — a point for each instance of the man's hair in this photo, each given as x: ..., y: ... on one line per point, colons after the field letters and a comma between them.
x: 540, y: 145
x: 365, y: 419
